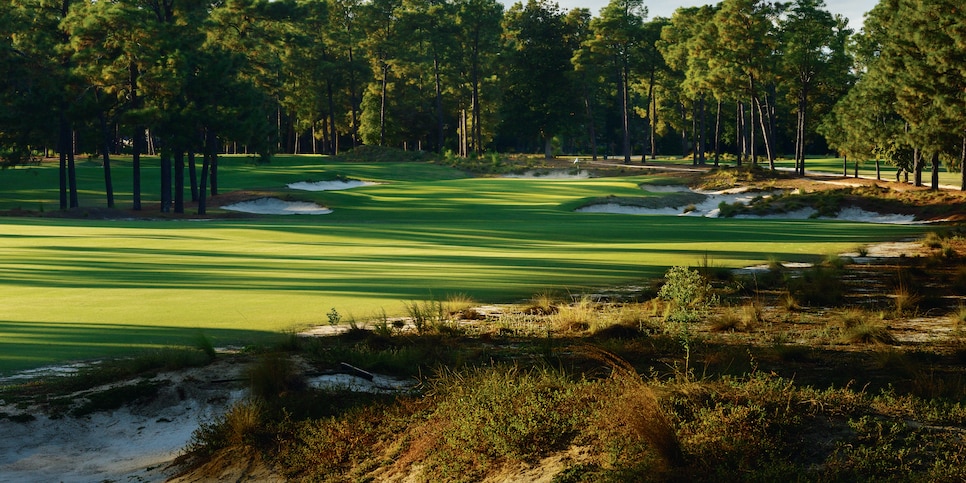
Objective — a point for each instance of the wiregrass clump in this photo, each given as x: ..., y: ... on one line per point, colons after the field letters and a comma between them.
x: 431, y: 316
x: 578, y: 316
x: 868, y: 333
x: 743, y: 318
x: 274, y: 375
x: 242, y: 425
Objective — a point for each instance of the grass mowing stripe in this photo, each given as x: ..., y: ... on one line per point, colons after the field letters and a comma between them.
x: 149, y: 283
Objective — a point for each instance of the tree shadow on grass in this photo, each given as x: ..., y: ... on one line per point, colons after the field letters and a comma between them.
x: 30, y: 345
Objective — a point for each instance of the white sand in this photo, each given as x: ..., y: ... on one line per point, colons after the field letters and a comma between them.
x: 275, y: 206
x: 136, y: 443
x: 328, y: 185
x: 709, y: 207
x: 552, y: 174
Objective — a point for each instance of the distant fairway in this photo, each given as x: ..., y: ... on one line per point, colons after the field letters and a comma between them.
x: 83, y: 288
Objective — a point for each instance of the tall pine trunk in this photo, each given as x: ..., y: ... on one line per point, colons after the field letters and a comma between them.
x: 591, y: 126
x: 165, y: 180
x: 193, y: 176
x: 622, y: 79
x: 106, y: 139
x: 136, y: 167
x: 702, y: 135
x: 63, y: 145
x: 654, y: 127
x: 329, y: 145
x: 934, y: 185
x: 439, y: 103
x: 717, y: 134
x: 917, y: 166
x: 208, y: 153
x: 179, y: 181
x: 962, y: 166
x: 138, y: 140
x: 740, y: 141
x: 382, y: 104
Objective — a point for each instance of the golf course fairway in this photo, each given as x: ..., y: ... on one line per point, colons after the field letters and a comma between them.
x: 76, y: 288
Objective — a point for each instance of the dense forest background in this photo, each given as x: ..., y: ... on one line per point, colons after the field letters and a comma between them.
x: 743, y: 79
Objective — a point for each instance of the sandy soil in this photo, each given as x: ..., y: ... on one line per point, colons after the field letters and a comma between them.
x: 712, y: 199
x: 275, y: 206
x: 141, y: 443
x: 136, y: 443
x: 328, y: 185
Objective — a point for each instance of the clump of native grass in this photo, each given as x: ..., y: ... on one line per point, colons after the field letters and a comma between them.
x: 578, y: 316
x: 933, y: 240
x: 863, y: 327
x: 819, y: 285
x: 461, y: 306
x: 243, y: 425
x: 273, y: 376
x: 542, y: 303
x: 441, y: 316
x: 905, y: 300
x: 958, y: 316
x: 741, y: 318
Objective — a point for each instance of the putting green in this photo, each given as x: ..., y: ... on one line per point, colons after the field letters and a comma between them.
x: 86, y: 288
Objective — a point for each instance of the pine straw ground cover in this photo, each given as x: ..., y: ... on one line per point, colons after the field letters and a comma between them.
x: 761, y: 378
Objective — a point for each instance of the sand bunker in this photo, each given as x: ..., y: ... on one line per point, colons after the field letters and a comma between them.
x: 712, y: 199
x: 140, y: 442
x: 329, y: 185
x: 349, y: 382
x: 552, y: 174
x: 275, y: 206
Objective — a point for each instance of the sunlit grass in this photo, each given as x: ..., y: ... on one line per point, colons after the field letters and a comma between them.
x: 427, y: 233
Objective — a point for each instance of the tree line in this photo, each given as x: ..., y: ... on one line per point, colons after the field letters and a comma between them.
x: 742, y: 79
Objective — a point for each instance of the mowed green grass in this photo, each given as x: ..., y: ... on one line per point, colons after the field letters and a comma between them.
x: 85, y: 288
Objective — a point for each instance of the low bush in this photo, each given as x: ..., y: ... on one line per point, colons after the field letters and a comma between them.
x: 688, y: 294
x: 243, y: 425
x: 499, y: 413
x: 818, y: 285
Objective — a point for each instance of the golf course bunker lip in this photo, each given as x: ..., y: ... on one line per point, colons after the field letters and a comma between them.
x: 765, y: 267
x: 706, y: 207
x: 551, y: 174
x: 275, y: 206
x: 356, y: 383
x: 336, y: 185
x: 709, y: 207
x: 45, y: 371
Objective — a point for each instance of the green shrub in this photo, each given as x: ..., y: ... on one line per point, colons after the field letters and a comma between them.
x: 500, y: 413
x: 688, y: 294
